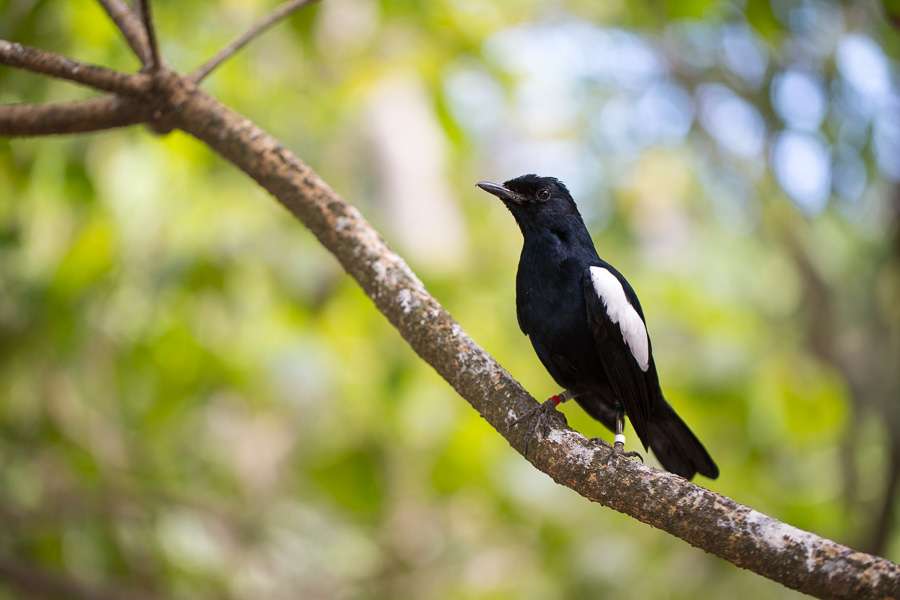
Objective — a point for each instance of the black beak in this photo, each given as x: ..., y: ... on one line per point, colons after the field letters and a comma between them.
x: 499, y: 191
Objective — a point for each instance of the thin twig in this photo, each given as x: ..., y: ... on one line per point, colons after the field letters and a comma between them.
x: 257, y: 29
x: 40, y: 61
x: 147, y: 18
x: 130, y: 25
x: 26, y: 120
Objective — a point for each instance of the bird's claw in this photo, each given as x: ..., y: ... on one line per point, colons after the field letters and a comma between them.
x: 600, y: 442
x: 618, y: 449
x: 540, y: 420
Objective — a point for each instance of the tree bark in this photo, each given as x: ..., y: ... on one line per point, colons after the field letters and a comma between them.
x: 25, y: 120
x: 47, y: 63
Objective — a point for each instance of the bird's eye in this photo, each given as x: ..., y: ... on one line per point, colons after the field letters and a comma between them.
x: 544, y: 194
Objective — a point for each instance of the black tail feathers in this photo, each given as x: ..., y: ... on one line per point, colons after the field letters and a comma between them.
x: 676, y: 447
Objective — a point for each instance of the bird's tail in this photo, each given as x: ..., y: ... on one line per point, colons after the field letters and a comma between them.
x: 675, y: 445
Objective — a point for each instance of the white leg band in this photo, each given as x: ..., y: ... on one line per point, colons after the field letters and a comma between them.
x: 619, y: 439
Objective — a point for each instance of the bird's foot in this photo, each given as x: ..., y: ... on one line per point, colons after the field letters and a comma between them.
x: 618, y: 449
x: 540, y: 419
x: 600, y: 442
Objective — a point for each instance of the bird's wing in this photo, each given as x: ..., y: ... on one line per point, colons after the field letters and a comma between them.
x: 622, y: 343
x: 519, y: 317
x: 521, y: 298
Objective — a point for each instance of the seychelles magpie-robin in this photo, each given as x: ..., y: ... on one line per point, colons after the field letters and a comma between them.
x: 587, y: 327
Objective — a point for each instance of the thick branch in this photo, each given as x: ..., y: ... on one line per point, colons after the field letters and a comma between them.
x: 48, y: 63
x: 257, y: 29
x: 130, y: 26
x: 792, y: 557
x: 23, y: 120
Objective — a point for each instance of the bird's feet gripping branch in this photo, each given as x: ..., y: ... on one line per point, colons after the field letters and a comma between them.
x: 540, y: 416
x: 617, y: 448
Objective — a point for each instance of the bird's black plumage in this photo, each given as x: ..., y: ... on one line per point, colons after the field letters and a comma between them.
x: 586, y: 323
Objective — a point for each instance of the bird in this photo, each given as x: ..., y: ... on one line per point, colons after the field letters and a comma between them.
x: 588, y: 329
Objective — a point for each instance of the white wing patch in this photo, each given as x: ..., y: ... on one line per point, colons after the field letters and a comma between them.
x: 620, y: 311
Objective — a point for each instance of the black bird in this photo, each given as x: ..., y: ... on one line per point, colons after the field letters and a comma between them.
x: 587, y: 327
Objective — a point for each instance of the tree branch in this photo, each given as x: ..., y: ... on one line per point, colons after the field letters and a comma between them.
x: 25, y: 120
x: 155, y: 62
x: 737, y: 533
x: 257, y: 29
x: 130, y: 26
x: 54, y: 65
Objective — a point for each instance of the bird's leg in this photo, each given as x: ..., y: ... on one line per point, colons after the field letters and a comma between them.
x: 618, y: 448
x: 540, y: 416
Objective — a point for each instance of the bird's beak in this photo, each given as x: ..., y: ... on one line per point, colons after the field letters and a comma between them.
x: 499, y: 191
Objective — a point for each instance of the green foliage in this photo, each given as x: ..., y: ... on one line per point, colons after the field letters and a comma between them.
x: 195, y: 400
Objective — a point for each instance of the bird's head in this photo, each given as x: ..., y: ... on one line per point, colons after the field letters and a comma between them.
x: 537, y: 203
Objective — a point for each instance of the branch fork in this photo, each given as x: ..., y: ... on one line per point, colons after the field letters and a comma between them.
x: 139, y: 97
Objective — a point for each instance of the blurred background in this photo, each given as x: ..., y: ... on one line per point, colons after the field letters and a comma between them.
x: 196, y: 402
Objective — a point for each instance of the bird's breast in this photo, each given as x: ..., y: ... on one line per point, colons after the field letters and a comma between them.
x: 552, y: 311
